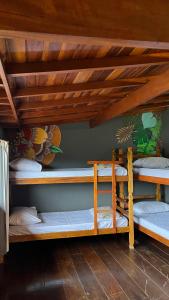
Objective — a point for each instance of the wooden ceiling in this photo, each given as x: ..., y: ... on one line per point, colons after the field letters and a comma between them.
x: 60, y: 75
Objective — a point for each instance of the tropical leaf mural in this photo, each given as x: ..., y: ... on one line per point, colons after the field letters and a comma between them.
x: 142, y: 130
x: 40, y: 143
x: 124, y: 134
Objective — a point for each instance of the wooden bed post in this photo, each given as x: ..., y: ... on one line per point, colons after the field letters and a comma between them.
x: 130, y: 197
x: 95, y: 198
x: 121, y: 184
x: 1, y: 259
x: 158, y: 192
x: 114, y: 193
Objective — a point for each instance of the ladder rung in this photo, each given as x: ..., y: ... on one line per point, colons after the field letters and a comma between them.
x: 104, y: 191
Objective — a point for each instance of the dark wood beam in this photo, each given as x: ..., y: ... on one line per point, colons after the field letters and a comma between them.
x: 106, y: 63
x: 152, y: 89
x: 59, y: 119
x: 61, y: 111
x: 131, y: 23
x: 7, y: 90
x: 68, y: 88
x: 53, y: 103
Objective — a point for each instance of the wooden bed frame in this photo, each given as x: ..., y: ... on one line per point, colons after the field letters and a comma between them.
x: 95, y: 180
x: 158, y: 181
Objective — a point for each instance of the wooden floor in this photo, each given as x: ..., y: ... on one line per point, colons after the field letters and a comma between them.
x: 87, y: 268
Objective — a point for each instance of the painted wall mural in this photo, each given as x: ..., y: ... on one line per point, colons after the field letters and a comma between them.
x: 40, y: 144
x: 143, y: 130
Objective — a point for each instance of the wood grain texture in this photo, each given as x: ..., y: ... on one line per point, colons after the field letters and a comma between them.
x: 77, y: 21
x: 152, y: 89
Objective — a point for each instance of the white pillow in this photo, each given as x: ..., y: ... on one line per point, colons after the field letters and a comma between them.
x: 150, y: 207
x: 23, y: 216
x: 24, y: 164
x: 106, y: 214
x: 152, y: 163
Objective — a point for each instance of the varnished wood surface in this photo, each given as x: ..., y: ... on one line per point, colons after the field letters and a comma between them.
x: 86, y: 179
x: 152, y: 179
x: 95, y: 268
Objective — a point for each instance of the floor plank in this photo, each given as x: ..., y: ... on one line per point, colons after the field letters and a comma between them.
x: 97, y: 268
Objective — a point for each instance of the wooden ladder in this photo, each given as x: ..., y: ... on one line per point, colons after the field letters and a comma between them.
x: 97, y: 192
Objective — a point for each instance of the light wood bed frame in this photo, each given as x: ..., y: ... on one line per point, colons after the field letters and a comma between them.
x: 158, y: 181
x: 95, y: 180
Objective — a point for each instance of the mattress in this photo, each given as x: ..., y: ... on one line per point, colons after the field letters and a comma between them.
x: 75, y: 172
x: 157, y: 223
x: 66, y: 221
x: 161, y: 173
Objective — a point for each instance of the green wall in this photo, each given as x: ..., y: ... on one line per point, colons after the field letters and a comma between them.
x: 79, y: 144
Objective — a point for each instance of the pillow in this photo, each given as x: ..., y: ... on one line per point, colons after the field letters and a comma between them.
x: 149, y: 207
x: 152, y: 163
x: 106, y: 214
x: 102, y: 166
x: 24, y: 216
x: 24, y: 164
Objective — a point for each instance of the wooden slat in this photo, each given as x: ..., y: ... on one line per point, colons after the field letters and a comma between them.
x: 154, y: 88
x: 106, y: 63
x: 68, y: 88
x: 7, y: 90
x: 123, y: 23
x: 61, y: 111
x: 59, y: 119
x: 33, y: 105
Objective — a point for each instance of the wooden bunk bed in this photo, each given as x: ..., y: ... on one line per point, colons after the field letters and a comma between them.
x: 158, y: 180
x: 95, y: 179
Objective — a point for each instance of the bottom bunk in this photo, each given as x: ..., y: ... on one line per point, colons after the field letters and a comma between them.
x: 152, y: 218
x: 68, y: 224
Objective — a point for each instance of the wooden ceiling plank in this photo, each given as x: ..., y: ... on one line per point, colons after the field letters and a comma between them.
x: 7, y: 90
x: 47, y: 120
x: 68, y: 88
x: 152, y: 89
x: 43, y: 104
x: 77, y: 65
x: 123, y: 23
x: 62, y: 111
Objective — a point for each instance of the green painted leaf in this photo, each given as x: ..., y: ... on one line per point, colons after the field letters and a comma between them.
x: 55, y: 149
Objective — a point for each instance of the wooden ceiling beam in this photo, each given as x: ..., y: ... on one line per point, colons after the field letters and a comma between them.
x: 61, y: 111
x: 152, y: 89
x: 55, y: 120
x: 53, y: 103
x: 7, y: 90
x: 69, y: 88
x: 77, y: 65
x: 122, y: 23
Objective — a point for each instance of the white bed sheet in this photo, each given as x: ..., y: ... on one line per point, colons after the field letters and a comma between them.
x: 157, y: 223
x: 162, y: 173
x: 75, y: 172
x: 65, y: 221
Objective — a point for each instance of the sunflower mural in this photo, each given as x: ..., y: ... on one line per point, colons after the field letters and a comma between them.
x: 143, y: 130
x: 40, y: 144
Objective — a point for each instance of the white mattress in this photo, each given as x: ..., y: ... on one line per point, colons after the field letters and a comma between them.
x: 75, y: 172
x: 66, y: 221
x: 162, y: 173
x: 157, y: 222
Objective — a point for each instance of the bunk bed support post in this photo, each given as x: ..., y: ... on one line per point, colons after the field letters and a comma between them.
x: 158, y: 186
x: 158, y: 192
x: 130, y: 197
x: 114, y: 194
x: 95, y: 198
x: 121, y: 184
x: 2, y: 257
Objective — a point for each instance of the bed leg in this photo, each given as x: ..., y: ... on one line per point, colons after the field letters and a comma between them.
x: 130, y: 198
x: 2, y: 259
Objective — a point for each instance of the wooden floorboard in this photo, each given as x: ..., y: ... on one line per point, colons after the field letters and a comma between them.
x: 94, y: 268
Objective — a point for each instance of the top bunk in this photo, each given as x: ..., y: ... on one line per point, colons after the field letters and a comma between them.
x: 104, y: 170
x: 151, y: 168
